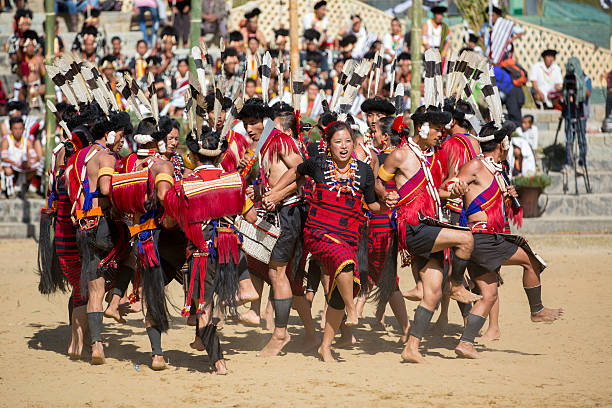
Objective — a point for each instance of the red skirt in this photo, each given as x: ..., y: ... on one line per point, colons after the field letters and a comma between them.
x: 334, y: 254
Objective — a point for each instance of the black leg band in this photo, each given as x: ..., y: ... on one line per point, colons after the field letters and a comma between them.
x: 534, y: 295
x: 472, y: 327
x: 459, y: 266
x: 211, y: 342
x: 95, y: 325
x: 282, y: 308
x: 422, y: 318
x: 155, y: 338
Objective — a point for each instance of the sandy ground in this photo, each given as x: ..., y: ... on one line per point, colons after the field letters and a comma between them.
x: 537, y: 365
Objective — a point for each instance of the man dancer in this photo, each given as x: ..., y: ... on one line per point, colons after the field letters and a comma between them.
x: 279, y: 153
x: 92, y: 167
x: 486, y: 205
x: 418, y: 169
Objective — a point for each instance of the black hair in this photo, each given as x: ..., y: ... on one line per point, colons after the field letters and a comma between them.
x: 251, y: 81
x: 115, y: 38
x: 288, y: 122
x: 231, y: 52
x: 210, y: 102
x: 253, y: 38
x: 530, y: 118
x: 315, y: 57
x: 395, y: 19
x: 141, y: 41
x: 146, y: 126
x: 336, y: 127
x: 386, y: 127
x: 185, y: 60
x: 175, y: 124
x: 209, y: 140
x: 16, y: 119
x: 326, y: 118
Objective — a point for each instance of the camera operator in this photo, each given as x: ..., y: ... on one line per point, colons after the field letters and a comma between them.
x: 576, y: 93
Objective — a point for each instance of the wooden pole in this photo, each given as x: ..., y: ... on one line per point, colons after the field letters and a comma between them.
x: 195, y: 18
x: 49, y: 85
x: 416, y: 41
x: 294, y: 37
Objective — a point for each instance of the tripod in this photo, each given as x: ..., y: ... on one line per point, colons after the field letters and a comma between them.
x: 574, y: 136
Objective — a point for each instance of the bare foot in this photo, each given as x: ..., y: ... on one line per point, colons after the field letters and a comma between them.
x: 440, y: 325
x: 461, y: 294
x: 378, y: 326
x: 197, y: 344
x: 97, y: 353
x: 249, y: 318
x: 547, y: 315
x: 323, y: 316
x: 466, y: 350
x: 490, y: 335
x: 310, y: 343
x: 352, y: 318
x: 274, y: 346
x: 220, y: 368
x: 113, y: 313
x: 126, y: 308
x: 246, y: 294
x: 413, y: 294
x: 326, y: 355
x: 191, y: 320
x: 410, y: 355
x: 346, y: 341
x: 158, y: 363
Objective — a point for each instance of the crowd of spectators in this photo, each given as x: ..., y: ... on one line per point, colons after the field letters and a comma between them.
x: 323, y: 53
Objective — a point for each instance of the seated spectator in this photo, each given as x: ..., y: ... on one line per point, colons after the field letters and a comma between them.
x: 250, y: 89
x: 91, y: 26
x: 521, y: 157
x: 18, y: 109
x: 138, y: 63
x: 472, y: 44
x: 317, y: 20
x: 89, y: 46
x: 231, y: 66
x: 249, y: 26
x: 393, y: 42
x: 141, y: 7
x: 237, y: 41
x: 121, y: 59
x: 3, y: 101
x: 180, y: 10
x: 73, y: 7
x: 528, y: 131
x: 313, y: 72
x: 281, y: 36
x: 404, y: 69
x: 181, y: 76
x: 169, y: 59
x: 251, y: 57
x: 214, y: 18
x: 31, y: 69
x: 311, y: 101
x: 19, y: 159
x: 153, y: 66
x: 21, y: 24
x: 363, y: 38
x: 546, y: 80
x: 347, y: 45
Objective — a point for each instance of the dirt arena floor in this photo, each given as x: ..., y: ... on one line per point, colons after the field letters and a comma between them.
x: 565, y: 364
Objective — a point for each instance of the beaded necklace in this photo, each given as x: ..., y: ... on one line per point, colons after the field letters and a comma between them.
x: 339, y: 183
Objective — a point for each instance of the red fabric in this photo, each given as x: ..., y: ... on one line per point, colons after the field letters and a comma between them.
x: 334, y: 254
x: 236, y: 146
x: 130, y: 190
x: 126, y: 164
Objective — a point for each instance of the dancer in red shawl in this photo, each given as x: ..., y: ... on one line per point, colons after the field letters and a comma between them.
x: 89, y: 174
x: 63, y: 247
x: 417, y: 169
x: 487, y: 209
x: 216, y: 257
x: 332, y: 227
x: 160, y: 245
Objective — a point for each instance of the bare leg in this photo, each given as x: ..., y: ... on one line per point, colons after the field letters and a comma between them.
x: 332, y: 323
x: 268, y: 315
x: 380, y: 317
x: 325, y: 283
x: 112, y: 310
x: 311, y: 340
x: 415, y: 294
x: 79, y: 327
x: 344, y: 283
x: 282, y: 292
x: 247, y: 292
x: 531, y: 279
x: 487, y: 283
x: 251, y: 317
x: 431, y: 276
x: 493, y: 332
x: 398, y: 306
x: 463, y: 243
x: 443, y: 318
x: 361, y: 301
x: 347, y: 339
x: 94, y: 306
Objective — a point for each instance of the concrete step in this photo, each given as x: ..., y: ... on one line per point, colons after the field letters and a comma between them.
x: 111, y: 21
x: 18, y: 230
x: 601, y: 182
x: 584, y: 205
x: 548, y: 119
x: 547, y: 224
x: 21, y: 211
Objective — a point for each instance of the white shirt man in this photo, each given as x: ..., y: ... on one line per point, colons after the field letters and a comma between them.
x: 545, y: 77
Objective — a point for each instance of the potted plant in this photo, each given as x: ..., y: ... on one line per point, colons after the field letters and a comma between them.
x: 529, y: 188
